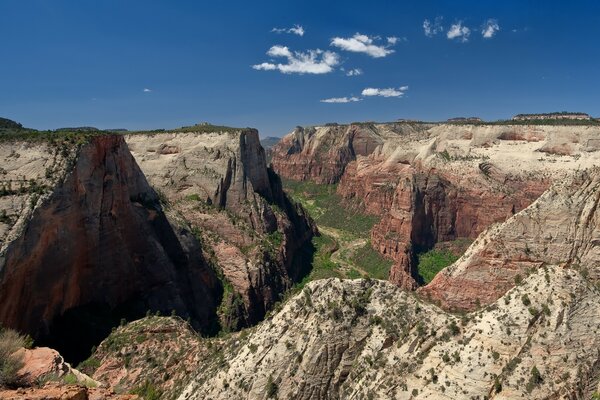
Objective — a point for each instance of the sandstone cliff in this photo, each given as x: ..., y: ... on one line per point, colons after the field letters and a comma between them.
x: 218, y: 183
x: 435, y: 182
x: 94, y: 248
x: 560, y: 227
x: 369, y: 339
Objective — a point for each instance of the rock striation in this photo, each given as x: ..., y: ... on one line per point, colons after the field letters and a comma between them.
x: 219, y: 184
x: 435, y: 182
x: 97, y: 247
x: 369, y: 339
x: 561, y: 227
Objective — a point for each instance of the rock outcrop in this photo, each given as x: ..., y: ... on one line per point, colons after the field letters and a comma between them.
x: 560, y: 227
x: 160, y: 352
x: 44, y: 364
x: 97, y: 247
x: 219, y: 184
x: 59, y: 391
x: 369, y: 339
x: 435, y: 182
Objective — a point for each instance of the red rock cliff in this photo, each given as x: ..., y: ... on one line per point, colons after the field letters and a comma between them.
x: 98, y: 249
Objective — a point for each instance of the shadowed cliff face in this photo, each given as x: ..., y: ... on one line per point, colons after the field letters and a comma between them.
x: 99, y: 249
x: 219, y: 184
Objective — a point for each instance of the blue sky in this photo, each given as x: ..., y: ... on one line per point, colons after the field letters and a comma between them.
x: 87, y: 62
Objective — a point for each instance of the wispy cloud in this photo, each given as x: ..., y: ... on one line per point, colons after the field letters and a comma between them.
x: 354, y: 72
x: 489, y: 28
x: 433, y: 28
x: 388, y: 92
x: 365, y: 44
x: 296, y: 30
x: 459, y: 31
x: 146, y: 90
x: 341, y: 100
x: 309, y: 62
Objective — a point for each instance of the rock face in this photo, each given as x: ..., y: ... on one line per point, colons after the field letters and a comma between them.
x: 369, y: 339
x: 560, y: 227
x: 220, y: 185
x: 98, y: 247
x: 433, y: 183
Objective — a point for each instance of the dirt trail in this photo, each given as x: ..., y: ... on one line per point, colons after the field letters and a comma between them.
x: 346, y: 248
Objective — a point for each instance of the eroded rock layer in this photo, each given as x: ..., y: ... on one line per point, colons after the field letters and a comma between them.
x: 220, y: 185
x: 98, y: 247
x: 369, y: 339
x: 562, y: 226
x: 435, y: 182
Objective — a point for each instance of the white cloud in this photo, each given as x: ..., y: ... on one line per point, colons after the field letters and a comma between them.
x: 364, y: 44
x: 341, y: 100
x: 459, y: 31
x: 389, y: 92
x: 489, y: 28
x: 354, y: 72
x: 433, y: 28
x: 146, y: 90
x: 296, y: 30
x: 392, y: 40
x: 309, y: 62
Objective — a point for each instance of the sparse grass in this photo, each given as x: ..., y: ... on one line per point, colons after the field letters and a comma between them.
x: 432, y: 262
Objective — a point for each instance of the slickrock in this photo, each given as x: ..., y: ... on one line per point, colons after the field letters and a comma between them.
x: 560, y: 227
x: 219, y: 184
x: 358, y: 339
x: 436, y: 182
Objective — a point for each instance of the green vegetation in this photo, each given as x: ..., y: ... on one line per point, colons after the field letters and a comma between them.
x: 343, y: 250
x: 271, y: 388
x: 10, y: 342
x: 147, y: 391
x: 89, y: 366
x: 432, y: 262
x: 10, y: 130
x: 327, y: 208
x: 372, y: 262
x: 321, y: 267
x: 198, y: 128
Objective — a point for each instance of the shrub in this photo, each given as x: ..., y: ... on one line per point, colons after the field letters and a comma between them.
x: 147, y: 391
x: 271, y: 388
x: 10, y: 364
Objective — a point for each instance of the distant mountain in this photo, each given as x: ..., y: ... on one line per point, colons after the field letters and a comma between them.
x: 269, y: 141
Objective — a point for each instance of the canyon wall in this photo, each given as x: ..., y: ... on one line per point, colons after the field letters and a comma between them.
x: 190, y: 222
x: 433, y: 183
x: 95, y: 248
x: 219, y: 184
x: 561, y: 227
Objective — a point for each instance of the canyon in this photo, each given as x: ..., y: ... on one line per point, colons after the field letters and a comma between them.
x: 183, y: 264
x: 432, y: 183
x: 89, y: 238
